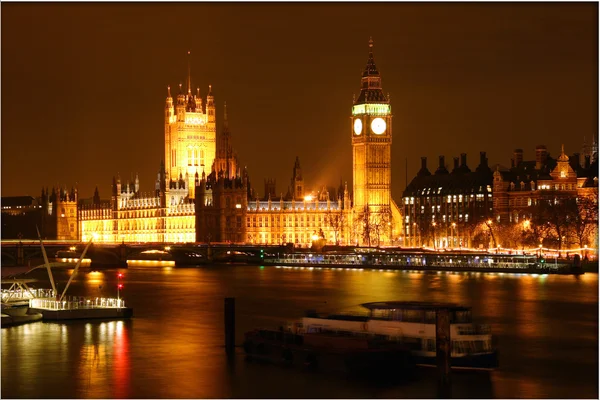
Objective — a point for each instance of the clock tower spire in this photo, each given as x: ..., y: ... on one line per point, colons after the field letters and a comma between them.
x: 371, y: 133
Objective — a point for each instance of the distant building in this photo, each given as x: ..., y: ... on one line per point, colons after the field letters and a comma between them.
x: 20, y: 216
x: 518, y: 188
x: 442, y: 209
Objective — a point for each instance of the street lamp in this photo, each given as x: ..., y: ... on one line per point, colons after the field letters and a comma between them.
x: 415, y: 234
x: 453, y: 233
x: 434, y: 237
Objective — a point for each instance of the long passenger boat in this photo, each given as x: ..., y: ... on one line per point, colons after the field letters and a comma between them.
x: 434, y: 261
x: 413, y: 324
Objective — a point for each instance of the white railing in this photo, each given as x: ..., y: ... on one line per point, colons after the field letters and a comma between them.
x: 26, y: 294
x: 76, y: 303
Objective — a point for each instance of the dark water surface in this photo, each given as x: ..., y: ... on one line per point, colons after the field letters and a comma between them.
x: 547, y: 329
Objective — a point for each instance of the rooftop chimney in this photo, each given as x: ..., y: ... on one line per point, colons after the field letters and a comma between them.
x: 541, y: 154
x: 482, y: 159
x: 442, y: 166
x: 423, y: 170
x: 518, y: 157
x: 455, y: 169
x: 463, y: 163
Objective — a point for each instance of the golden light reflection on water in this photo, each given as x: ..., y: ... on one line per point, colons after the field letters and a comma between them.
x: 173, y: 348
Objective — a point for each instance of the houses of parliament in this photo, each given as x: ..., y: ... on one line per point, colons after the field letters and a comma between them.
x: 201, y: 194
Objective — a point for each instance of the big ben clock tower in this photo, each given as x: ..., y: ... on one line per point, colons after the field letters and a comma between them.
x: 371, y: 130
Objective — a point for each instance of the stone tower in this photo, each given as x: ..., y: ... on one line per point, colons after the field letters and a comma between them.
x: 297, y: 183
x: 371, y: 131
x: 190, y: 134
x: 59, y: 218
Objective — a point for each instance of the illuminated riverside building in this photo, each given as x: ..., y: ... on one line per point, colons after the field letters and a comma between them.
x: 518, y: 189
x: 441, y: 209
x: 202, y: 194
x: 302, y: 216
x: 299, y: 217
x: 131, y: 216
x: 167, y: 214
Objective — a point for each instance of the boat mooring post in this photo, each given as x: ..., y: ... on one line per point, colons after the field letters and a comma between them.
x: 443, y: 347
x: 230, y: 325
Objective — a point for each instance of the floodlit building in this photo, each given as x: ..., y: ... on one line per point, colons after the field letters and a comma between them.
x: 201, y: 193
x: 441, y: 209
x: 168, y: 213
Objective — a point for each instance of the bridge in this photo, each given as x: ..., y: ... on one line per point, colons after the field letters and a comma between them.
x: 29, y: 252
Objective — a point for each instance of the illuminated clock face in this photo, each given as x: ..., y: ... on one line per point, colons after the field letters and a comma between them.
x: 357, y: 126
x: 378, y: 126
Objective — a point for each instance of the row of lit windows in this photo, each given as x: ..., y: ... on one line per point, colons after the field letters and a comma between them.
x: 9, y: 207
x: 520, y: 201
x: 193, y: 158
x: 439, y: 190
x: 290, y: 218
x: 303, y: 238
x: 559, y: 187
x: 449, y: 199
x: 138, y: 214
x: 311, y: 221
x: 95, y: 213
x: 445, y: 218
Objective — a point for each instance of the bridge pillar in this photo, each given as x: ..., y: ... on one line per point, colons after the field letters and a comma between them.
x: 20, y: 255
x: 122, y: 254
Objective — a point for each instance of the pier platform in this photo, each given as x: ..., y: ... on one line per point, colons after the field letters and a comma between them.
x: 81, y: 308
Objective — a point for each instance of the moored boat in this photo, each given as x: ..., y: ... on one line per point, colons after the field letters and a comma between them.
x: 17, y: 314
x: 414, y: 325
x: 328, y: 351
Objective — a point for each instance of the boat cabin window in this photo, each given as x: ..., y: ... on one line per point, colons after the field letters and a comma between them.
x: 459, y: 317
x: 383, y: 314
x: 430, y: 317
x: 413, y: 315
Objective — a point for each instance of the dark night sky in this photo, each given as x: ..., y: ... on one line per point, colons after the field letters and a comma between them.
x: 84, y: 85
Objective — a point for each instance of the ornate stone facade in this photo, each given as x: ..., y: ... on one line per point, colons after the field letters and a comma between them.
x: 190, y: 135
x: 376, y: 215
x: 195, y: 202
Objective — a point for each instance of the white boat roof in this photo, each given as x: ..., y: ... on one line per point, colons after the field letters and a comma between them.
x: 414, y: 305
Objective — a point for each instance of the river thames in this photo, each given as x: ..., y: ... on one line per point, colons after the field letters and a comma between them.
x: 546, y: 326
